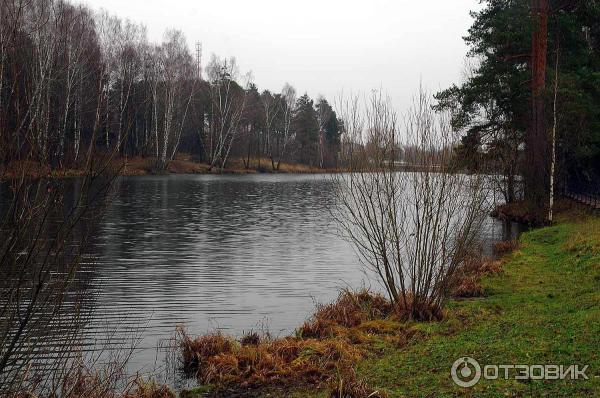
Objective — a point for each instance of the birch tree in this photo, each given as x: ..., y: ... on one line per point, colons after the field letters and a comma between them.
x: 40, y: 19
x: 272, y: 109
x: 227, y: 100
x: 283, y: 135
x: 172, y: 94
x: 74, y: 37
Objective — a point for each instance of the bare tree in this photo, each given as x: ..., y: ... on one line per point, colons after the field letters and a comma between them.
x: 109, y: 29
x: 278, y: 112
x: 44, y: 227
x: 227, y: 104
x: 75, y: 32
x: 41, y: 20
x: 412, y: 229
x: 352, y: 128
x: 44, y: 224
x: 128, y: 42
x: 282, y: 135
x: 172, y: 69
x: 272, y: 109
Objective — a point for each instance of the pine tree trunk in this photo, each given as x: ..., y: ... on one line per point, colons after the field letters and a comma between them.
x: 537, y: 145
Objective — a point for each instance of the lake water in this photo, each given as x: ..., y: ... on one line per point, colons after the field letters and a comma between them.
x: 235, y: 253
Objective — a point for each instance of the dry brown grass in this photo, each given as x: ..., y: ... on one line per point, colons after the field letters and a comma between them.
x: 108, y: 381
x: 322, y: 352
x: 196, y: 351
x: 505, y: 247
x: 302, y: 168
x: 423, y: 310
x: 149, y: 389
x: 467, y: 280
x: 182, y: 164
x: 349, y: 386
x: 251, y: 338
x: 276, y: 361
x: 35, y: 170
x: 469, y: 286
x: 349, y: 310
x: 265, y: 166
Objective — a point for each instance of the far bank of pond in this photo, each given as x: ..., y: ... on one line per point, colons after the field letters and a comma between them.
x: 140, y: 166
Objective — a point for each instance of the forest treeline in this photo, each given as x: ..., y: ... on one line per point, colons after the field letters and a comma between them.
x: 529, y: 105
x: 72, y: 80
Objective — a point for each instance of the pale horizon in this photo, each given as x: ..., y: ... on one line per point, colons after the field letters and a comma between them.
x: 349, y: 47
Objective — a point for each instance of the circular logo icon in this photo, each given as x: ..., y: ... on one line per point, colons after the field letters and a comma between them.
x: 466, y: 372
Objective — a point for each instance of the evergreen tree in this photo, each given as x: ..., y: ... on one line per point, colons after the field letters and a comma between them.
x: 493, y: 105
x: 330, y: 128
x: 306, y: 127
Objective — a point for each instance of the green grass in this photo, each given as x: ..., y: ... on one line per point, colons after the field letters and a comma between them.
x: 543, y: 309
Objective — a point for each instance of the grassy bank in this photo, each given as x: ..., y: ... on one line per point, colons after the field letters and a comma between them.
x: 138, y: 166
x: 542, y: 308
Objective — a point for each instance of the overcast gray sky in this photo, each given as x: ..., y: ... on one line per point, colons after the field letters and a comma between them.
x: 320, y: 46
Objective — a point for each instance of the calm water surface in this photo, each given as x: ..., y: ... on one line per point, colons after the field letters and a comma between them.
x: 235, y: 253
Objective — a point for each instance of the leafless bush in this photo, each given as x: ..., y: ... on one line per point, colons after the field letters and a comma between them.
x: 44, y: 228
x: 43, y: 235
x: 411, y: 218
x: 45, y: 224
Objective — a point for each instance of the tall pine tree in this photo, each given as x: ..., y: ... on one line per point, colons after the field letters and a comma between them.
x: 306, y: 127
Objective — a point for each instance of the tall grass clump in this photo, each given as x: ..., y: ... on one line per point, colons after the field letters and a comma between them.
x: 322, y: 352
x: 218, y: 360
x: 466, y: 283
x: 349, y: 310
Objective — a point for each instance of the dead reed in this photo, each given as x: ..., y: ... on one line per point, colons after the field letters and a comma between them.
x: 505, y: 247
x: 467, y: 281
x: 322, y: 352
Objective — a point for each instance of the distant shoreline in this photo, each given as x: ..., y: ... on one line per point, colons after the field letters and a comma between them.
x: 144, y: 166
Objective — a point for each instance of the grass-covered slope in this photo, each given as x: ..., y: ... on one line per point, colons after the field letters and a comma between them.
x: 543, y: 309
